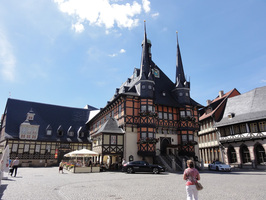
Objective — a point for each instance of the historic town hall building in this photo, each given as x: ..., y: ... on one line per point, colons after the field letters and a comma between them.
x: 40, y: 134
x: 148, y: 115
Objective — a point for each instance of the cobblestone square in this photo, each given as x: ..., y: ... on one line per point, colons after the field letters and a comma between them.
x: 47, y: 183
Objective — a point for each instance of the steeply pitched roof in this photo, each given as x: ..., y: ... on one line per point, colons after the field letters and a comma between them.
x: 217, y: 103
x: 110, y: 126
x: 163, y: 85
x: 46, y: 116
x: 180, y: 75
x: 246, y: 107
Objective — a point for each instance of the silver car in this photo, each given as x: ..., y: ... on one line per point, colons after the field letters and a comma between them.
x: 219, y: 166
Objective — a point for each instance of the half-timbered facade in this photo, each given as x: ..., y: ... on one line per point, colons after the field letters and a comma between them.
x: 208, y: 137
x: 243, y: 129
x: 40, y: 134
x: 156, y: 115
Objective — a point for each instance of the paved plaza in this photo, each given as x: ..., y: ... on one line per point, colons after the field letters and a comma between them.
x: 47, y: 183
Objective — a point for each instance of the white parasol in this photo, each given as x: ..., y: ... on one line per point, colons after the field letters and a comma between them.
x: 81, y: 153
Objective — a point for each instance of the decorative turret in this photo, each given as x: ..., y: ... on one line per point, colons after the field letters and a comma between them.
x: 145, y: 69
x: 146, y: 78
x: 182, y: 86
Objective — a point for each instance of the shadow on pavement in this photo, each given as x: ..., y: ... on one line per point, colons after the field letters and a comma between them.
x: 2, y: 189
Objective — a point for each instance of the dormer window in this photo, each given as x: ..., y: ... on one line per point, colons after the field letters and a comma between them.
x: 30, y: 115
x: 150, y: 87
x: 81, y: 132
x: 164, y: 93
x: 60, y: 131
x: 143, y: 87
x: 230, y: 115
x: 70, y: 131
x: 49, y: 130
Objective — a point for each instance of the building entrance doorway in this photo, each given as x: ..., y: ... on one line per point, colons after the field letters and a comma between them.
x: 165, y: 142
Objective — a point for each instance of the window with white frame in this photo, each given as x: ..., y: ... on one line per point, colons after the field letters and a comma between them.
x: 160, y: 115
x: 170, y: 116
x: 150, y: 135
x: 184, y: 138
x: 150, y: 108
x: 182, y: 113
x: 144, y: 135
x: 26, y: 147
x: 191, y: 137
x: 143, y: 108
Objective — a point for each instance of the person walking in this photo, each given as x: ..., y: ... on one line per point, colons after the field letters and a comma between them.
x: 191, y: 175
x: 61, y: 166
x: 14, y: 165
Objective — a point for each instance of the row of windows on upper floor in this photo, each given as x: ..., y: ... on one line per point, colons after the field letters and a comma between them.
x: 208, y: 138
x: 143, y: 108
x: 252, y: 127
x: 70, y: 131
x: 185, y: 137
x: 151, y: 108
x: 206, y: 124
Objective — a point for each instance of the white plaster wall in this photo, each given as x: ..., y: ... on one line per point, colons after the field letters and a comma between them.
x: 130, y: 142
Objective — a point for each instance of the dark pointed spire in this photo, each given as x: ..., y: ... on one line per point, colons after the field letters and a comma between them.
x: 145, y: 61
x: 180, y: 76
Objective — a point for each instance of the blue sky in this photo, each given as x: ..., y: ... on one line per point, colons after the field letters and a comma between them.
x: 77, y: 52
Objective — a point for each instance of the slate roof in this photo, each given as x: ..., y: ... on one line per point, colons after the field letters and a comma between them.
x: 162, y: 84
x: 110, y: 126
x: 246, y: 107
x: 47, y: 116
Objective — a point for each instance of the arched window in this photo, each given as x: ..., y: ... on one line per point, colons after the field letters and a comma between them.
x: 245, y: 154
x: 231, y: 154
x: 260, y: 154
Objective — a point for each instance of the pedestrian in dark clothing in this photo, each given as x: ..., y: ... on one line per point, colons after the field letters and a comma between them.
x: 14, y: 165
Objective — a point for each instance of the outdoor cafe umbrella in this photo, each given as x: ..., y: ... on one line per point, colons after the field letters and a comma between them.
x: 81, y: 153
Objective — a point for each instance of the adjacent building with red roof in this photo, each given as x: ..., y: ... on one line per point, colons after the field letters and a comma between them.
x: 208, y: 137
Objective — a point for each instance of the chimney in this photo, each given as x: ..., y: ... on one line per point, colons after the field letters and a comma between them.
x: 208, y: 102
x: 221, y: 93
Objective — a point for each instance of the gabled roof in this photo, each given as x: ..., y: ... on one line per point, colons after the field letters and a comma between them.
x: 110, y: 126
x: 216, y: 104
x: 47, y: 116
x: 246, y: 107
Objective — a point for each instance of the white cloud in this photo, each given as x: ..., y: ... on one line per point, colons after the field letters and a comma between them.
x: 122, y: 51
x: 103, y: 12
x: 263, y: 81
x: 155, y: 15
x: 7, y: 59
x: 113, y: 55
x: 78, y: 27
x: 116, y: 54
x: 146, y: 5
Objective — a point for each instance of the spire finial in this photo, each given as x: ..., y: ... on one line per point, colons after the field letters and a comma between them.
x: 145, y: 26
